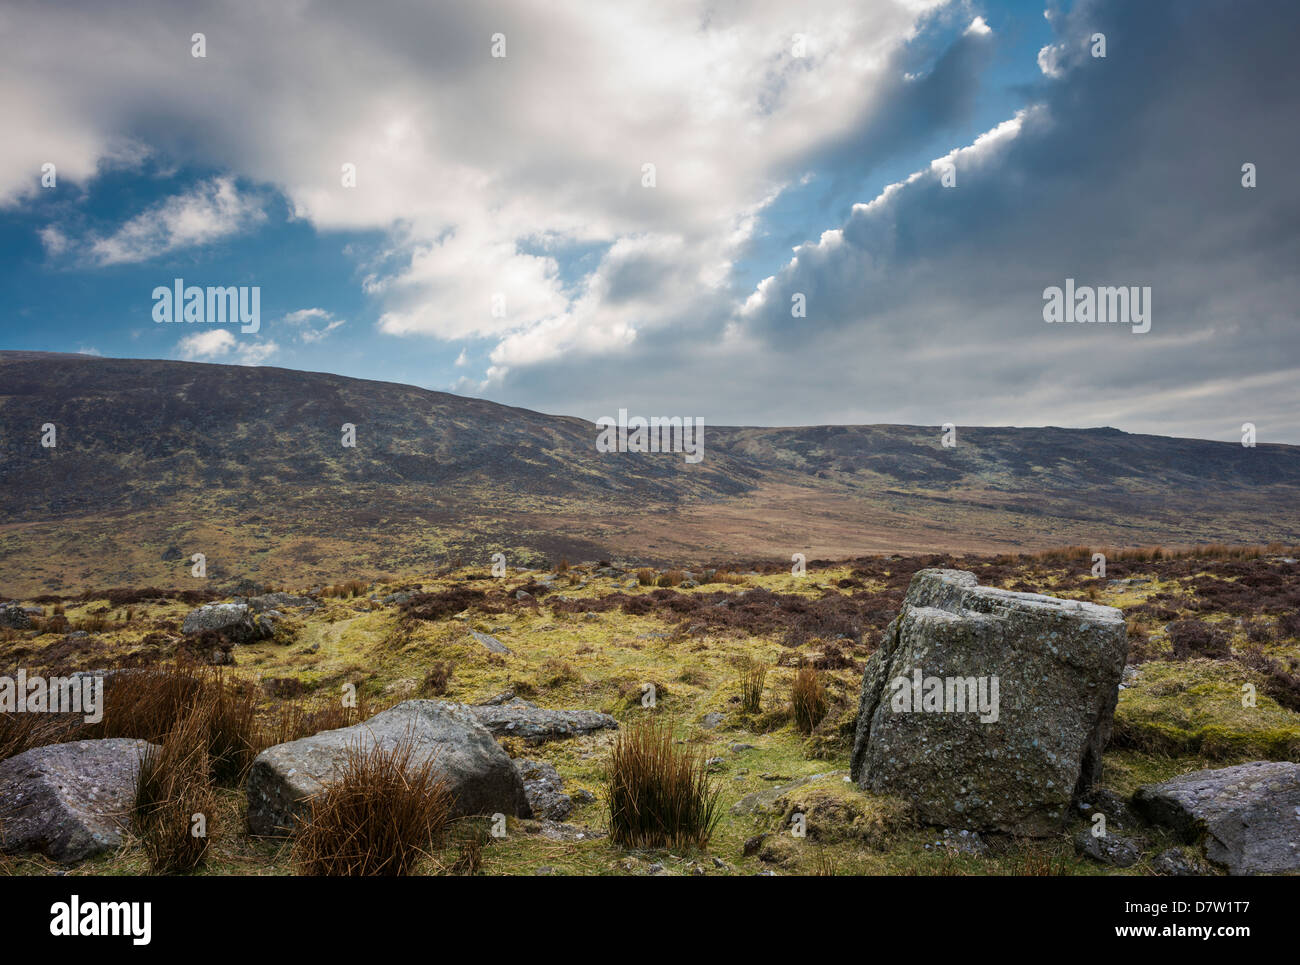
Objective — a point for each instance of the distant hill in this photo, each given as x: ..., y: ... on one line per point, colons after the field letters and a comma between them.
x: 162, y: 459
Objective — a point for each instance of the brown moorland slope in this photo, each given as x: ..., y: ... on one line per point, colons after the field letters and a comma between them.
x: 157, y: 460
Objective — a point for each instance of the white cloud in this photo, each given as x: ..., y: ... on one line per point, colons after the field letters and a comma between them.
x: 486, y: 165
x: 256, y: 352
x: 314, y: 324
x: 214, y: 209
x: 209, y: 344
x: 218, y: 344
x: 54, y: 240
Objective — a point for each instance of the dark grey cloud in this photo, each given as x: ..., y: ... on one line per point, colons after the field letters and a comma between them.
x: 1124, y: 171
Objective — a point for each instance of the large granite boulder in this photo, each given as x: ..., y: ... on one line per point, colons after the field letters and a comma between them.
x: 478, y: 772
x: 1248, y: 815
x: 69, y: 801
x: 989, y: 709
x: 235, y: 621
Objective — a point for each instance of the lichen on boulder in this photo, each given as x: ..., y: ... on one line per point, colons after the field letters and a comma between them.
x: 989, y: 709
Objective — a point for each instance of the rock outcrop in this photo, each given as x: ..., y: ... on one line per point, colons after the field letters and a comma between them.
x: 545, y: 790
x: 519, y: 718
x: 479, y: 774
x: 1248, y: 815
x: 986, y: 708
x: 235, y: 621
x: 14, y: 617
x: 69, y: 801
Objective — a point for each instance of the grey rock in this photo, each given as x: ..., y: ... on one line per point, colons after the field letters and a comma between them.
x: 766, y: 799
x: 560, y: 830
x: 69, y: 801
x: 478, y: 772
x: 1112, y: 849
x: 521, y: 719
x: 276, y: 601
x: 710, y: 721
x: 1058, y: 665
x: 400, y: 597
x: 1173, y: 863
x: 235, y: 621
x: 582, y: 796
x: 960, y: 841
x: 1101, y: 800
x: 489, y: 641
x: 545, y: 790
x: 1248, y: 815
x: 14, y: 617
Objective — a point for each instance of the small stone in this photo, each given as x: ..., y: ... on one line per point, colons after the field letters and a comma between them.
x: 1112, y: 849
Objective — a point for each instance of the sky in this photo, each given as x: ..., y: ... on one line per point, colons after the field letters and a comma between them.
x: 757, y: 213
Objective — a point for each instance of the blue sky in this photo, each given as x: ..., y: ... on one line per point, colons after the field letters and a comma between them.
x: 521, y: 176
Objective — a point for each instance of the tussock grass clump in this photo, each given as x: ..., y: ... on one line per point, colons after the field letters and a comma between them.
x: 297, y: 718
x: 174, y: 799
x: 379, y: 819
x: 659, y: 795
x: 671, y: 578
x: 151, y: 704
x: 345, y: 590
x: 437, y: 680
x: 807, y: 699
x: 22, y: 732
x: 469, y: 855
x: 752, y: 678
x: 93, y: 623
x: 727, y: 577
x: 645, y: 576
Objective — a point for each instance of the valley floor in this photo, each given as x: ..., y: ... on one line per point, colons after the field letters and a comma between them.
x: 592, y: 636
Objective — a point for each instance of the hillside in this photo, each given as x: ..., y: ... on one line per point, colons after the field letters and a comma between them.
x: 156, y: 460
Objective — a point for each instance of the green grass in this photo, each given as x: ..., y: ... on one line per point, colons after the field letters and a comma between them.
x: 1175, y: 717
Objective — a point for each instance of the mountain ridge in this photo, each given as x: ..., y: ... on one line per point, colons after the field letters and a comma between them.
x: 173, y: 453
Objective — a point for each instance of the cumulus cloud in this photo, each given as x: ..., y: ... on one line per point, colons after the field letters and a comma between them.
x: 483, y: 168
x: 212, y: 210
x: 925, y: 305
x: 220, y: 345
